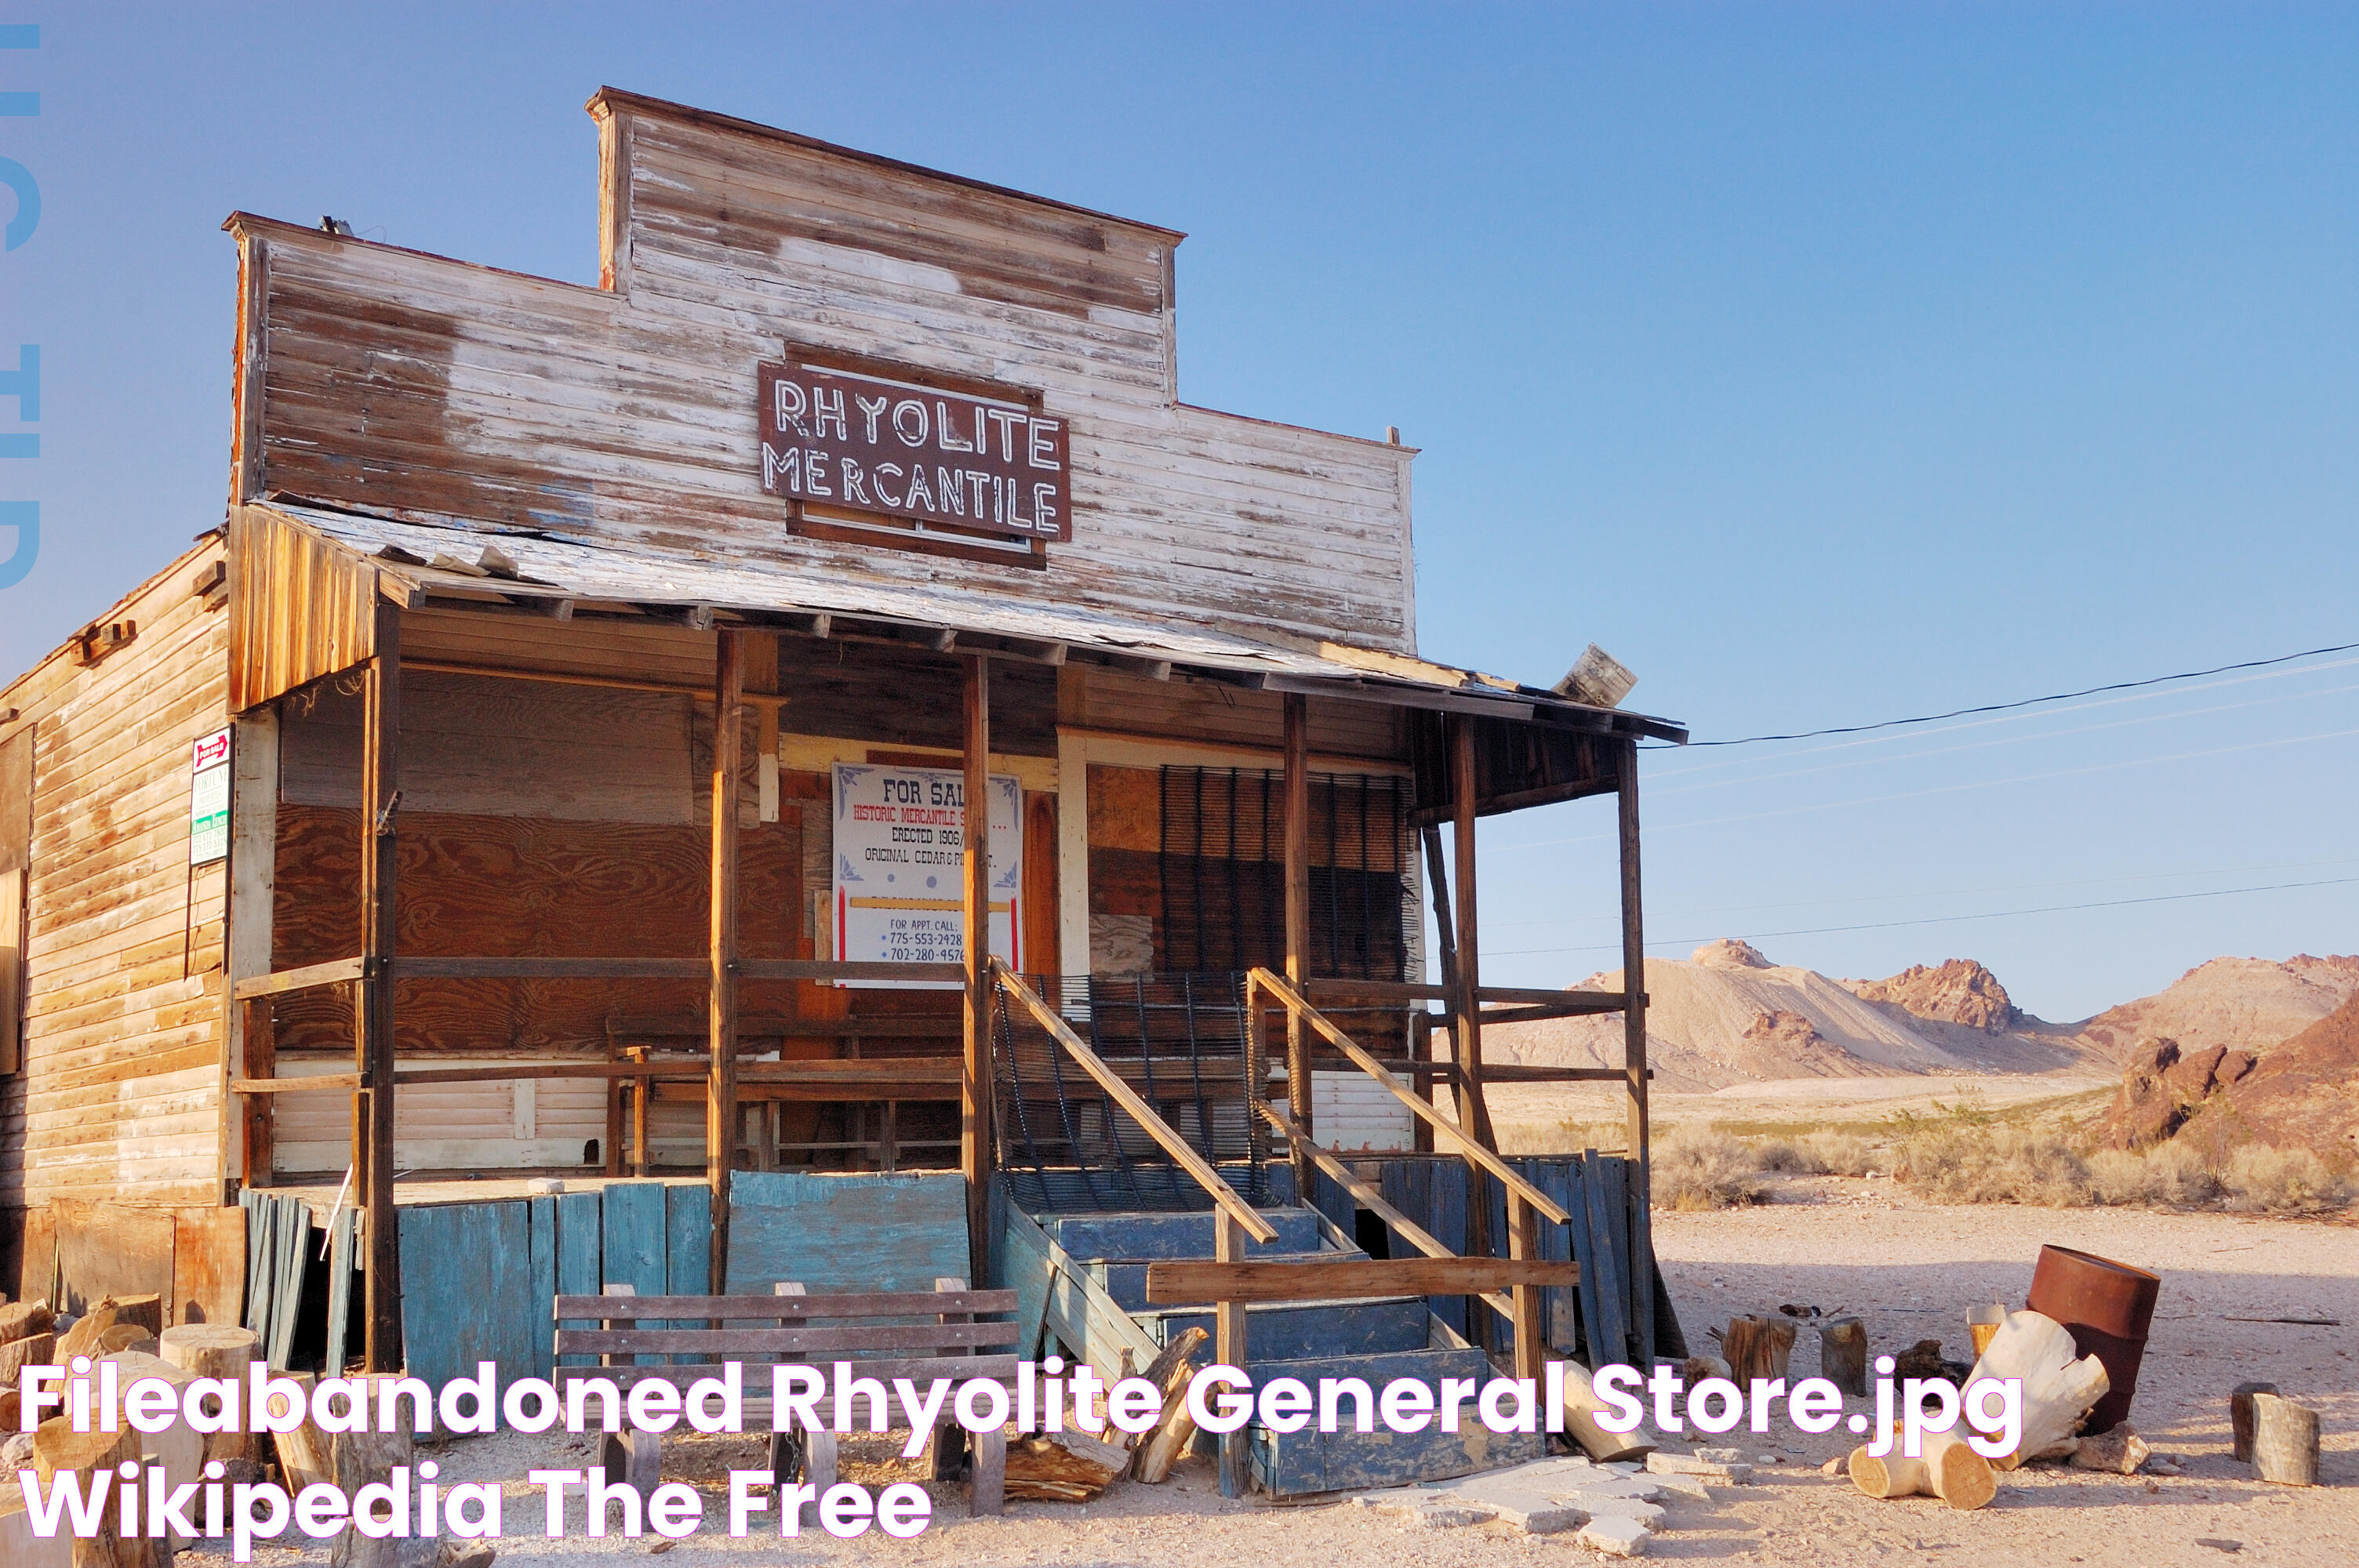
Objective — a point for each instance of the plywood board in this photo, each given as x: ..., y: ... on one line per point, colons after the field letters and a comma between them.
x: 867, y: 1232
x: 467, y: 1289
x: 208, y: 1265
x: 111, y: 1250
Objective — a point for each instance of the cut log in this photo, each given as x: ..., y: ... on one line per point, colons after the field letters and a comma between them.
x: 303, y: 1455
x: 59, y: 1449
x: 126, y: 1336
x: 2284, y: 1441
x: 1757, y: 1347
x: 177, y: 1450
x: 214, y: 1350
x: 1947, y: 1468
x: 1696, y: 1368
x: 1843, y: 1355
x: 86, y: 1336
x: 1155, y: 1450
x: 26, y: 1318
x: 1062, y: 1467
x: 1581, y: 1409
x: 360, y: 1459
x: 2058, y: 1391
x: 33, y: 1350
x: 2240, y: 1417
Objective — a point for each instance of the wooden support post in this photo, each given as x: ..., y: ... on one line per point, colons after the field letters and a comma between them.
x: 1229, y: 1345
x: 1466, y: 1035
x: 261, y: 1042
x: 1297, y: 926
x: 1445, y: 926
x: 1524, y: 1241
x: 974, y: 1075
x: 373, y: 1168
x: 1466, y: 1029
x: 1634, y: 1059
x: 721, y: 1080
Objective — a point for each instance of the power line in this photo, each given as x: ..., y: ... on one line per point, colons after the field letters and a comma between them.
x: 2027, y: 702
x: 1935, y: 920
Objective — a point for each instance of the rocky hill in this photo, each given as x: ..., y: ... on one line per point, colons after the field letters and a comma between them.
x: 1727, y: 1015
x: 2239, y: 1005
x: 2303, y: 1092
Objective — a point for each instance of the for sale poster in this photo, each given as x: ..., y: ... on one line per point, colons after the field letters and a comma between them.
x: 900, y: 855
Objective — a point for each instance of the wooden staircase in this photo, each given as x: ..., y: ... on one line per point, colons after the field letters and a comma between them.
x: 1281, y: 1290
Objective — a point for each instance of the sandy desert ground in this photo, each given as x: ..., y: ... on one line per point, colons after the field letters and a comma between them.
x: 1910, y: 1269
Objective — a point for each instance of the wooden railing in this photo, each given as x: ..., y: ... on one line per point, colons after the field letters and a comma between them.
x: 1526, y: 1203
x: 1133, y: 1105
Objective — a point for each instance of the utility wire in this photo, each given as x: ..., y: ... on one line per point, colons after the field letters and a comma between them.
x: 1934, y: 920
x: 2027, y: 702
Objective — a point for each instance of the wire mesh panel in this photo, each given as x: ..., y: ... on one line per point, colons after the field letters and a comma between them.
x: 1180, y: 1041
x: 1222, y: 870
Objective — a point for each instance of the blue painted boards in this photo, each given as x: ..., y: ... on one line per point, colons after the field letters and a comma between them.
x: 845, y: 1232
x: 634, y: 1231
x: 468, y: 1292
x: 579, y: 1252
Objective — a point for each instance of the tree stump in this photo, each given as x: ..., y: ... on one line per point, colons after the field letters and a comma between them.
x: 1843, y: 1355
x: 33, y: 1350
x: 1948, y: 1468
x: 59, y: 1449
x: 2284, y: 1441
x: 214, y: 1350
x: 25, y: 1318
x: 357, y: 1459
x: 2241, y: 1418
x: 1757, y: 1347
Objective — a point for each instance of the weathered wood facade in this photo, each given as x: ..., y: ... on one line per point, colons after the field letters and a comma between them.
x: 538, y: 698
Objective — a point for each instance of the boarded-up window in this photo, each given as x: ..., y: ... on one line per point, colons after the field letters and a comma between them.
x: 15, y: 867
x: 1223, y: 873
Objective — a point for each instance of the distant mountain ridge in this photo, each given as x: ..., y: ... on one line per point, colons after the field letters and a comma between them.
x: 1727, y: 1015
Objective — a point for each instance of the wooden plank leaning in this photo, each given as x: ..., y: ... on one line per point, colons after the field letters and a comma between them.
x: 1491, y: 1163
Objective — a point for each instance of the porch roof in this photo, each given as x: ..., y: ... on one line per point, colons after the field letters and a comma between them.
x: 454, y: 563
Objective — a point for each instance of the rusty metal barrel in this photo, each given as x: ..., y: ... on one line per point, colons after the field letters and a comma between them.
x: 2108, y: 1307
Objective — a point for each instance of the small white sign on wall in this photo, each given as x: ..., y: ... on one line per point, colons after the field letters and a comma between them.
x: 209, y: 799
x: 900, y: 854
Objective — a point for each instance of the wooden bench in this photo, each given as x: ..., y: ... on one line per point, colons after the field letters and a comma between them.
x: 886, y: 1335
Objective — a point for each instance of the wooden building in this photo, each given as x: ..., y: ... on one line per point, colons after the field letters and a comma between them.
x: 848, y: 475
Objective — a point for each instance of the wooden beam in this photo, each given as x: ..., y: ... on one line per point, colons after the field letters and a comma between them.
x: 1368, y: 1198
x: 1229, y: 1343
x: 1468, y: 1006
x: 1183, y: 1284
x: 1634, y: 1055
x: 522, y: 968
x: 259, y: 1119
x: 827, y: 969
x: 721, y: 1082
x: 373, y: 1017
x: 1199, y: 1170
x: 1298, y: 921
x: 1466, y: 1144
x: 976, y: 1080
x: 334, y: 972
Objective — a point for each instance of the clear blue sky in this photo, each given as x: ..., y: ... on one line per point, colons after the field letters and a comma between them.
x: 1825, y: 363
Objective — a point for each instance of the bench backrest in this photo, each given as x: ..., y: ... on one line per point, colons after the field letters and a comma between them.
x: 888, y: 1334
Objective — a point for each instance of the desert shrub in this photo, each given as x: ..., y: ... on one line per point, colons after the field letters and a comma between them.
x: 2171, y: 1175
x: 1700, y: 1169
x: 1839, y: 1154
x: 1785, y: 1158
x: 2283, y: 1181
x: 1958, y: 1161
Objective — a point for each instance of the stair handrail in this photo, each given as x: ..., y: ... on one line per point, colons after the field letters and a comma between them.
x: 1468, y: 1149
x: 1368, y: 1198
x: 1200, y: 1169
